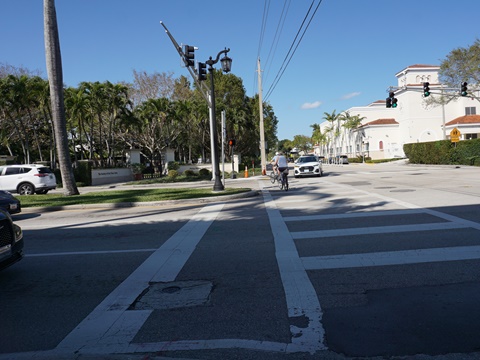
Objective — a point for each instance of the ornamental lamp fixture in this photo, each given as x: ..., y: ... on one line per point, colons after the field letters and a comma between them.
x: 226, y: 64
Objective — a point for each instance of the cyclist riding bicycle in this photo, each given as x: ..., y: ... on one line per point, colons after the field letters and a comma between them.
x: 280, y: 163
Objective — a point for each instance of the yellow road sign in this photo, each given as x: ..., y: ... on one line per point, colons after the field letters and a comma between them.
x: 455, y: 135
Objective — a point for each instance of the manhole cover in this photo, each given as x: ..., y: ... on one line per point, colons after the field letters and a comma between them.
x: 171, y: 295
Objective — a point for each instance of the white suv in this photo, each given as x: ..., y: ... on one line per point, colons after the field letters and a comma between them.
x: 27, y: 179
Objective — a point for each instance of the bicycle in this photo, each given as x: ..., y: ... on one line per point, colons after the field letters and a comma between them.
x: 273, y: 176
x: 283, y: 180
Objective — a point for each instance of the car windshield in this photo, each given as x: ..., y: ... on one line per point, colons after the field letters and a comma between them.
x: 307, y: 159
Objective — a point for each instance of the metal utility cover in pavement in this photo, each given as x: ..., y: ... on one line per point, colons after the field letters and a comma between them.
x: 171, y: 295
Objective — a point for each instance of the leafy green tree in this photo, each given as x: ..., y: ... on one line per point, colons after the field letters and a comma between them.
x: 302, y: 143
x: 460, y: 65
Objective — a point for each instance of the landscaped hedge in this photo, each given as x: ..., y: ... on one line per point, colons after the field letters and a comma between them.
x: 444, y: 152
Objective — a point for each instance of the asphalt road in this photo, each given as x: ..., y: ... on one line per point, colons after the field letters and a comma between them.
x: 367, y: 261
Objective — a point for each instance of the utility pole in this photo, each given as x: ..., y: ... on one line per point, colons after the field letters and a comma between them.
x: 262, y: 131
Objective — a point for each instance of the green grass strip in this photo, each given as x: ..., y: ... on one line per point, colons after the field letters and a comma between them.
x: 121, y: 196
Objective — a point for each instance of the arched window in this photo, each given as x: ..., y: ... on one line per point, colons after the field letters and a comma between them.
x: 380, y: 145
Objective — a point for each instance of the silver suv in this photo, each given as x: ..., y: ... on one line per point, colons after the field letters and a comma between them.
x: 27, y: 179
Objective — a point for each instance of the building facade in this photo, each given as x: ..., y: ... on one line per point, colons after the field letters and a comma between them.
x: 384, y: 131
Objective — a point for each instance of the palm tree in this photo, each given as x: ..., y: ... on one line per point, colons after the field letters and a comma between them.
x: 319, y: 138
x: 333, y: 119
x: 55, y: 77
x: 350, y: 123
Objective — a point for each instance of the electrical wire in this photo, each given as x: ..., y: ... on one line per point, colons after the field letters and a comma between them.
x: 266, y: 8
x: 278, y: 32
x: 294, y: 46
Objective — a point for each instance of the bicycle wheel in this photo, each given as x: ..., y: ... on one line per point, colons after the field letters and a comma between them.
x: 285, y: 185
x: 272, y: 177
x: 281, y: 181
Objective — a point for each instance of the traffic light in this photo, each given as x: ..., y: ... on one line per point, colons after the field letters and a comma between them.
x: 231, y: 142
x: 202, y: 71
x: 389, y: 102
x: 189, y: 55
x: 426, y: 89
x: 464, y: 90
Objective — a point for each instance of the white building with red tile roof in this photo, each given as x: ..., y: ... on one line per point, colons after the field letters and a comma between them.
x: 384, y: 131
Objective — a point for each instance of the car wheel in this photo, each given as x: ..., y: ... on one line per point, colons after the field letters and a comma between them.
x: 26, y: 189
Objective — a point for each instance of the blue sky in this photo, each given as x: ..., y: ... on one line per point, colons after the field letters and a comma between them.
x: 348, y: 56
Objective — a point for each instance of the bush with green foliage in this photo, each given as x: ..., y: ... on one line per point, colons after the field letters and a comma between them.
x: 83, y: 172
x: 205, y: 173
x: 172, y: 174
x: 444, y: 152
x: 189, y: 173
x: 173, y: 165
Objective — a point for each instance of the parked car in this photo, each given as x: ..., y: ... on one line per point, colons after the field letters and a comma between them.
x: 339, y: 159
x: 307, y: 165
x: 9, y: 203
x: 342, y: 159
x: 27, y: 179
x: 11, y: 241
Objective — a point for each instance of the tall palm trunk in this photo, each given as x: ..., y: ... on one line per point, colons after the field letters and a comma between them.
x: 55, y: 78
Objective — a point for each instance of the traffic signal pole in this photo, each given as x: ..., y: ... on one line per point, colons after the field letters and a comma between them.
x: 445, y: 93
x: 209, y: 95
x: 200, y: 85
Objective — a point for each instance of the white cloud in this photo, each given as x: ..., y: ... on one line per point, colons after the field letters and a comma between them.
x: 351, y: 95
x: 313, y: 105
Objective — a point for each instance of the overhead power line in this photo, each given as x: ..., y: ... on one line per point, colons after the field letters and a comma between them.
x: 294, y: 46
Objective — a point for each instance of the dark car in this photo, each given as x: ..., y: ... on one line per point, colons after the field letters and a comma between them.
x: 9, y: 203
x: 11, y: 241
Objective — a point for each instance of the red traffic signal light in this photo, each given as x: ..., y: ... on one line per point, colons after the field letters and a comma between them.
x: 231, y: 142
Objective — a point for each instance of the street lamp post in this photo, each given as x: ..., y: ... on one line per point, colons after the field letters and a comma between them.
x: 226, y: 67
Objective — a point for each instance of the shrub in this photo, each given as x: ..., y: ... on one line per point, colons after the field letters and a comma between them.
x: 172, y: 174
x: 173, y: 165
x: 137, y: 168
x: 82, y: 172
x: 204, y: 173
x: 189, y: 173
x: 465, y: 152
